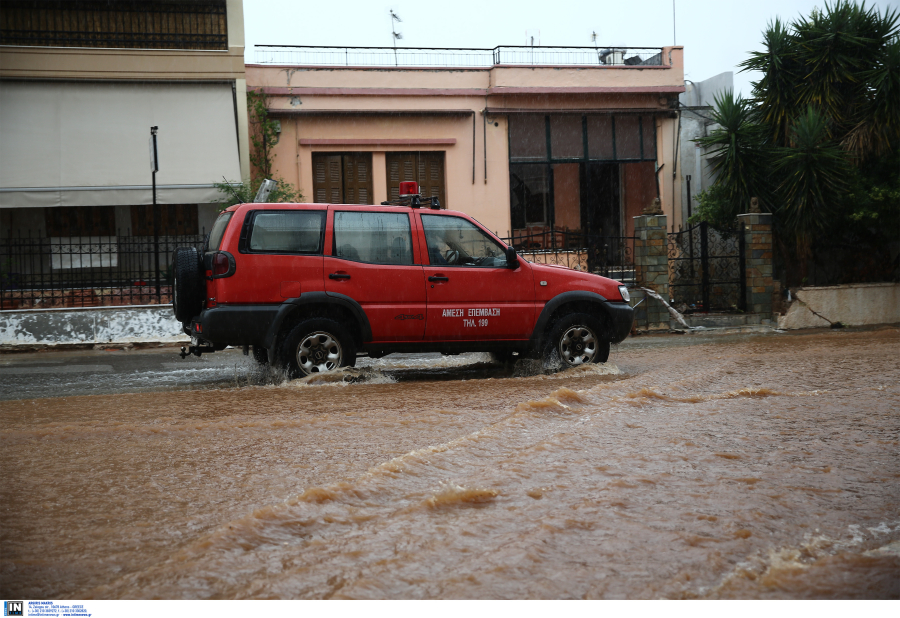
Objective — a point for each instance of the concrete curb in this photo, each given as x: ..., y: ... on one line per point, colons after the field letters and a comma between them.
x: 90, y: 325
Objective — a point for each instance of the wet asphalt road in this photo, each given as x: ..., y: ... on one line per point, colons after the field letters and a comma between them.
x: 64, y: 373
x: 94, y: 372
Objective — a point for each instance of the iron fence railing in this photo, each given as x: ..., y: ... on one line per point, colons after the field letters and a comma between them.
x: 610, y: 256
x: 458, y: 57
x: 707, y: 269
x: 88, y: 271
x: 50, y: 272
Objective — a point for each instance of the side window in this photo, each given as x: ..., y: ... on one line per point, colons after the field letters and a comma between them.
x: 456, y: 242
x: 287, y: 231
x: 373, y: 237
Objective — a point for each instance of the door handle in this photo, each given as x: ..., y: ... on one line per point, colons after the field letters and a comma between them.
x: 439, y: 278
x: 338, y: 276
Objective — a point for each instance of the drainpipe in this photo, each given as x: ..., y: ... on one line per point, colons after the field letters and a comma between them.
x: 675, y: 168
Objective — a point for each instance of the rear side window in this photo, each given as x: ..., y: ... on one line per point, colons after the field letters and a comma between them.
x: 218, y: 230
x: 287, y: 231
x: 373, y: 237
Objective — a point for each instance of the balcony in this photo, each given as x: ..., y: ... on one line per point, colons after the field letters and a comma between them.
x: 433, y: 57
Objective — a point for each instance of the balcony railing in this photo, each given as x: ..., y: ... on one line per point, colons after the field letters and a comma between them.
x: 458, y: 57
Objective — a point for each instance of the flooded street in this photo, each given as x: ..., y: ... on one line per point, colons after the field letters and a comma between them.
x: 761, y: 466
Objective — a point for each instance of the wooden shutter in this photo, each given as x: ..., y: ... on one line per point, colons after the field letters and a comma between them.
x: 327, y: 179
x: 358, y: 178
x: 431, y: 176
x: 426, y: 168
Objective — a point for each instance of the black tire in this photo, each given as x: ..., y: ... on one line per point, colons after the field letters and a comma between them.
x: 317, y: 345
x: 576, y: 339
x: 260, y: 355
x: 189, y: 288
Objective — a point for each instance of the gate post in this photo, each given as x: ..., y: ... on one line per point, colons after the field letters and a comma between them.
x: 651, y: 264
x: 757, y: 228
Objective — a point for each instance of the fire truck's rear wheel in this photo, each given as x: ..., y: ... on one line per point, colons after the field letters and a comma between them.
x: 576, y: 339
x: 189, y: 288
x: 316, y: 346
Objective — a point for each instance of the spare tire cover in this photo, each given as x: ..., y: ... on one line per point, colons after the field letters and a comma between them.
x: 189, y: 287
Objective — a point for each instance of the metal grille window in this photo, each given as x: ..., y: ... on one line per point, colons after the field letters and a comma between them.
x: 565, y: 137
x: 529, y: 195
x: 426, y: 168
x: 197, y: 24
x: 527, y: 137
x: 344, y: 178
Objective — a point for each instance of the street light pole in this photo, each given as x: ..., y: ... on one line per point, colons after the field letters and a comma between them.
x: 154, y: 167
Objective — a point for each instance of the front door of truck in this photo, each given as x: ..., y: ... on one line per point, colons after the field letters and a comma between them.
x: 472, y: 294
x: 372, y: 262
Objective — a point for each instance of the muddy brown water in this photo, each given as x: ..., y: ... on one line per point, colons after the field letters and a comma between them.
x: 755, y: 467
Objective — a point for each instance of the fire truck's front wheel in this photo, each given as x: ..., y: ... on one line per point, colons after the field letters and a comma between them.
x: 317, y: 345
x: 576, y: 339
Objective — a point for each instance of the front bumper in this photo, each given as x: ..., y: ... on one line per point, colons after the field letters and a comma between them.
x: 622, y: 317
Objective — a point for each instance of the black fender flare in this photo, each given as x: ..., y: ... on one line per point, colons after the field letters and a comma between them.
x: 315, y: 298
x: 537, y: 337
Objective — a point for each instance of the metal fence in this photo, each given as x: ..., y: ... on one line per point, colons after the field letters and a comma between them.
x: 38, y: 272
x: 89, y: 271
x: 457, y: 57
x: 707, y: 269
x: 609, y: 256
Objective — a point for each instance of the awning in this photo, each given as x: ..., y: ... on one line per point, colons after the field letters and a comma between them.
x: 87, y: 144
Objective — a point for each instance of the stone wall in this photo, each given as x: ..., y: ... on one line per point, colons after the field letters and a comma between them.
x: 758, y: 262
x: 651, y: 262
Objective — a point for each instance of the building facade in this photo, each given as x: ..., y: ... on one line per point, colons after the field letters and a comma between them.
x: 695, y: 117
x: 523, y: 139
x: 82, y: 82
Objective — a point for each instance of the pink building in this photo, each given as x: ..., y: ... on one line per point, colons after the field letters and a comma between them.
x: 522, y: 138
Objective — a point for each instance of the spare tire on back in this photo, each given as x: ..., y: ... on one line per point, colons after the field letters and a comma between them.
x: 189, y: 287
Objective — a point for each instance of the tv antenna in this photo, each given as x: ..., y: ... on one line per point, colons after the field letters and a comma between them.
x: 395, y: 19
x: 594, y: 41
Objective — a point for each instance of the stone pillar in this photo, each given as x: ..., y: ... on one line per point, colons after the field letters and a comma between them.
x: 758, y: 261
x: 651, y: 263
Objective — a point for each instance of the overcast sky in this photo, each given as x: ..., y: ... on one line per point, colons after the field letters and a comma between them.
x: 716, y: 34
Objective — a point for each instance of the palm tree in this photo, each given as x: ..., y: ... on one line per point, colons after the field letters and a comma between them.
x: 736, y: 151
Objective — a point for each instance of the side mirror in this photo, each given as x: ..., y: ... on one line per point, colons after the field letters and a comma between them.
x: 512, y: 260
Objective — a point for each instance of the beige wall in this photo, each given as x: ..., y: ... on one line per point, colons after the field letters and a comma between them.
x: 348, y: 104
